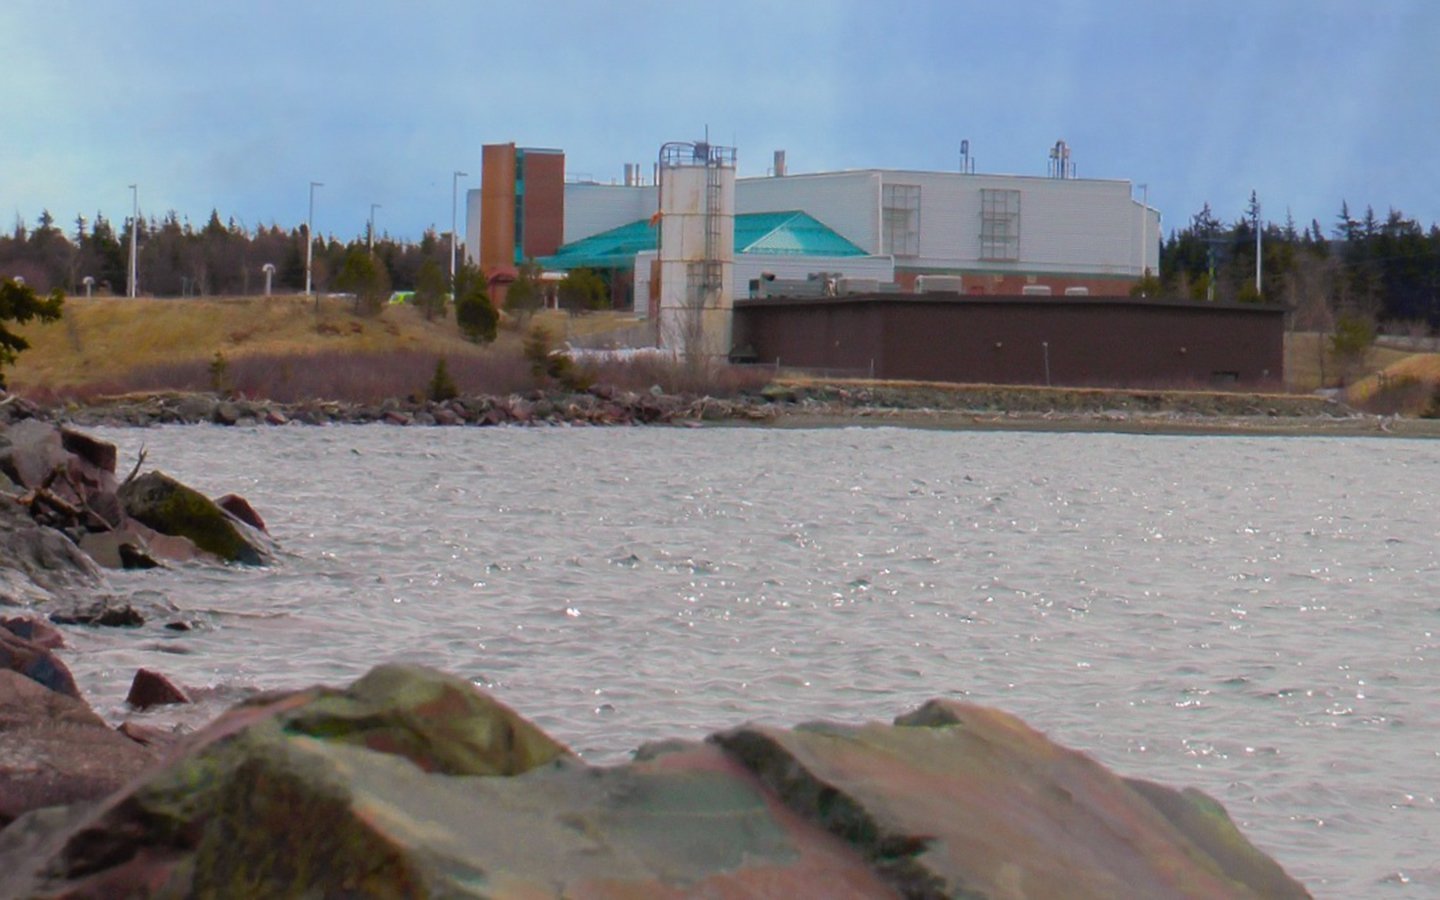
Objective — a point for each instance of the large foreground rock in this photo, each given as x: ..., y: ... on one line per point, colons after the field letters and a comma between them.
x: 55, y: 750
x: 164, y: 504
x: 412, y: 783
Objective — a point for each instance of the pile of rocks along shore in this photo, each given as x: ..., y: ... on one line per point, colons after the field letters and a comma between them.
x: 606, y: 405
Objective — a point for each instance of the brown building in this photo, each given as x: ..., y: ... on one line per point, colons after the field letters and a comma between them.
x: 522, y: 205
x: 1075, y: 341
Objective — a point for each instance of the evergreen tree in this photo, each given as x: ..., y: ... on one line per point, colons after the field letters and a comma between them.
x: 20, y: 304
x: 430, y: 290
x: 474, y: 314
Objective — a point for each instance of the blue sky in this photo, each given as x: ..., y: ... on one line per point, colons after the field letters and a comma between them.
x: 238, y: 106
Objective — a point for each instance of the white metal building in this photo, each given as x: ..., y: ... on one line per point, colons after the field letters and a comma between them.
x: 1001, y: 233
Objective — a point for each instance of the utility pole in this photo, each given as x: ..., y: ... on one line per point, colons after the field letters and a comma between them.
x: 454, y: 209
x: 310, y: 240
x: 133, y: 286
x: 370, y: 235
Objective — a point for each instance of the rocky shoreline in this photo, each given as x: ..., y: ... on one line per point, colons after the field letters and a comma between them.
x: 783, y: 404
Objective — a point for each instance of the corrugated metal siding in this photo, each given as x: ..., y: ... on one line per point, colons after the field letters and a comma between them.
x: 845, y: 202
x: 1008, y: 340
x: 593, y: 208
x: 1072, y: 226
x: 1069, y: 225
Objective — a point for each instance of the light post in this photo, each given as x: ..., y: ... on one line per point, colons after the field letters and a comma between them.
x: 1257, y: 245
x: 370, y: 240
x: 454, y: 204
x: 310, y: 240
x: 131, y: 288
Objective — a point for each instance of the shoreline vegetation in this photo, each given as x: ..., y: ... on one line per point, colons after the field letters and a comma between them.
x: 238, y: 361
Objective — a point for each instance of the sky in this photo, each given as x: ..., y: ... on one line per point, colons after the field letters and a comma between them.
x: 239, y: 106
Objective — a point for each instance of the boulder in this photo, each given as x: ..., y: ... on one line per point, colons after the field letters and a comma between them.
x: 54, y: 749
x: 1038, y: 820
x: 415, y: 783
x: 106, y: 611
x: 150, y: 688
x: 36, y: 631
x: 35, y: 662
x: 164, y: 504
x: 240, y: 508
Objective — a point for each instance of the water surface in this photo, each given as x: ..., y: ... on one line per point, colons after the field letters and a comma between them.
x: 1255, y: 617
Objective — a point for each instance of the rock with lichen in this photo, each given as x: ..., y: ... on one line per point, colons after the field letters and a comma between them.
x: 412, y: 783
x: 172, y: 508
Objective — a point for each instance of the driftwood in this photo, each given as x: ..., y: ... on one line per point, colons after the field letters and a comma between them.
x: 139, y: 461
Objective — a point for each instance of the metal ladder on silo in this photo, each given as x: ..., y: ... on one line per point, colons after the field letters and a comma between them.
x: 713, y: 276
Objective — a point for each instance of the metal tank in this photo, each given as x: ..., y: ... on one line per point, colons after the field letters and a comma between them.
x: 696, y: 255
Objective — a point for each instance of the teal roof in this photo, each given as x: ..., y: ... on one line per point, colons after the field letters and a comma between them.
x: 790, y: 233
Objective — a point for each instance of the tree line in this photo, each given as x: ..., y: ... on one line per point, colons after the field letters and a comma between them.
x: 1385, y: 272
x: 175, y: 259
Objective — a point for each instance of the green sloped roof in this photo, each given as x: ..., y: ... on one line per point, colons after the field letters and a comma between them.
x: 789, y: 233
x: 774, y: 233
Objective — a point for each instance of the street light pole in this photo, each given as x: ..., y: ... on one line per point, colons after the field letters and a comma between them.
x: 134, y: 238
x: 370, y: 240
x: 454, y: 203
x: 1257, y: 247
x: 310, y: 240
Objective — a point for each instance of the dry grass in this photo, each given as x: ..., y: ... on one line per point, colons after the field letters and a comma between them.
x: 1409, y: 386
x: 276, y: 346
x: 1303, y: 361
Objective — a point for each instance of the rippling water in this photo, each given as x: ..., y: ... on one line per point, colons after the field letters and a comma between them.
x: 1256, y: 617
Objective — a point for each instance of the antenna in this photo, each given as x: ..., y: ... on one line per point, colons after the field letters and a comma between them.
x: 967, y: 165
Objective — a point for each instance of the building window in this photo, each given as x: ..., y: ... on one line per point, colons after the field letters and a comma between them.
x: 900, y: 220
x: 999, y: 225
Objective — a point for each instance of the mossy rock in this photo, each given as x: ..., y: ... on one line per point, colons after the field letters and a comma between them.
x: 169, y: 507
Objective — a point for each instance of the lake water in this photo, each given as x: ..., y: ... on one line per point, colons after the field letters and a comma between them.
x: 1256, y: 617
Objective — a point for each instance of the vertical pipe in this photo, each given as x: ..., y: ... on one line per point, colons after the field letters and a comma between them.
x: 454, y: 200
x: 310, y: 241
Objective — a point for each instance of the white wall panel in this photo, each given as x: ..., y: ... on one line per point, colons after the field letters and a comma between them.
x: 593, y: 208
x: 848, y: 203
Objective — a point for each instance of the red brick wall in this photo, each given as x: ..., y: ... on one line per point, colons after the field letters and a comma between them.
x: 544, y: 203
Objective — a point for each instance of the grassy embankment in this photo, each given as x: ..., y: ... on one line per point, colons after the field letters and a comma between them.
x: 277, y: 347
x: 280, y: 348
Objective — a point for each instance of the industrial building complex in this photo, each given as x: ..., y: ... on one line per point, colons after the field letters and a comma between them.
x: 901, y: 274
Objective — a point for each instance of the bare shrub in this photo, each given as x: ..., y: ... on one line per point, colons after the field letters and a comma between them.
x: 1404, y: 395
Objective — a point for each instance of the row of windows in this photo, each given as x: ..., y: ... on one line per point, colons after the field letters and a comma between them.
x: 999, y: 222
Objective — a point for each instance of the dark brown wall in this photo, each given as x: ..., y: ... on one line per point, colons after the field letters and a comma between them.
x: 1091, y: 341
x: 544, y: 203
